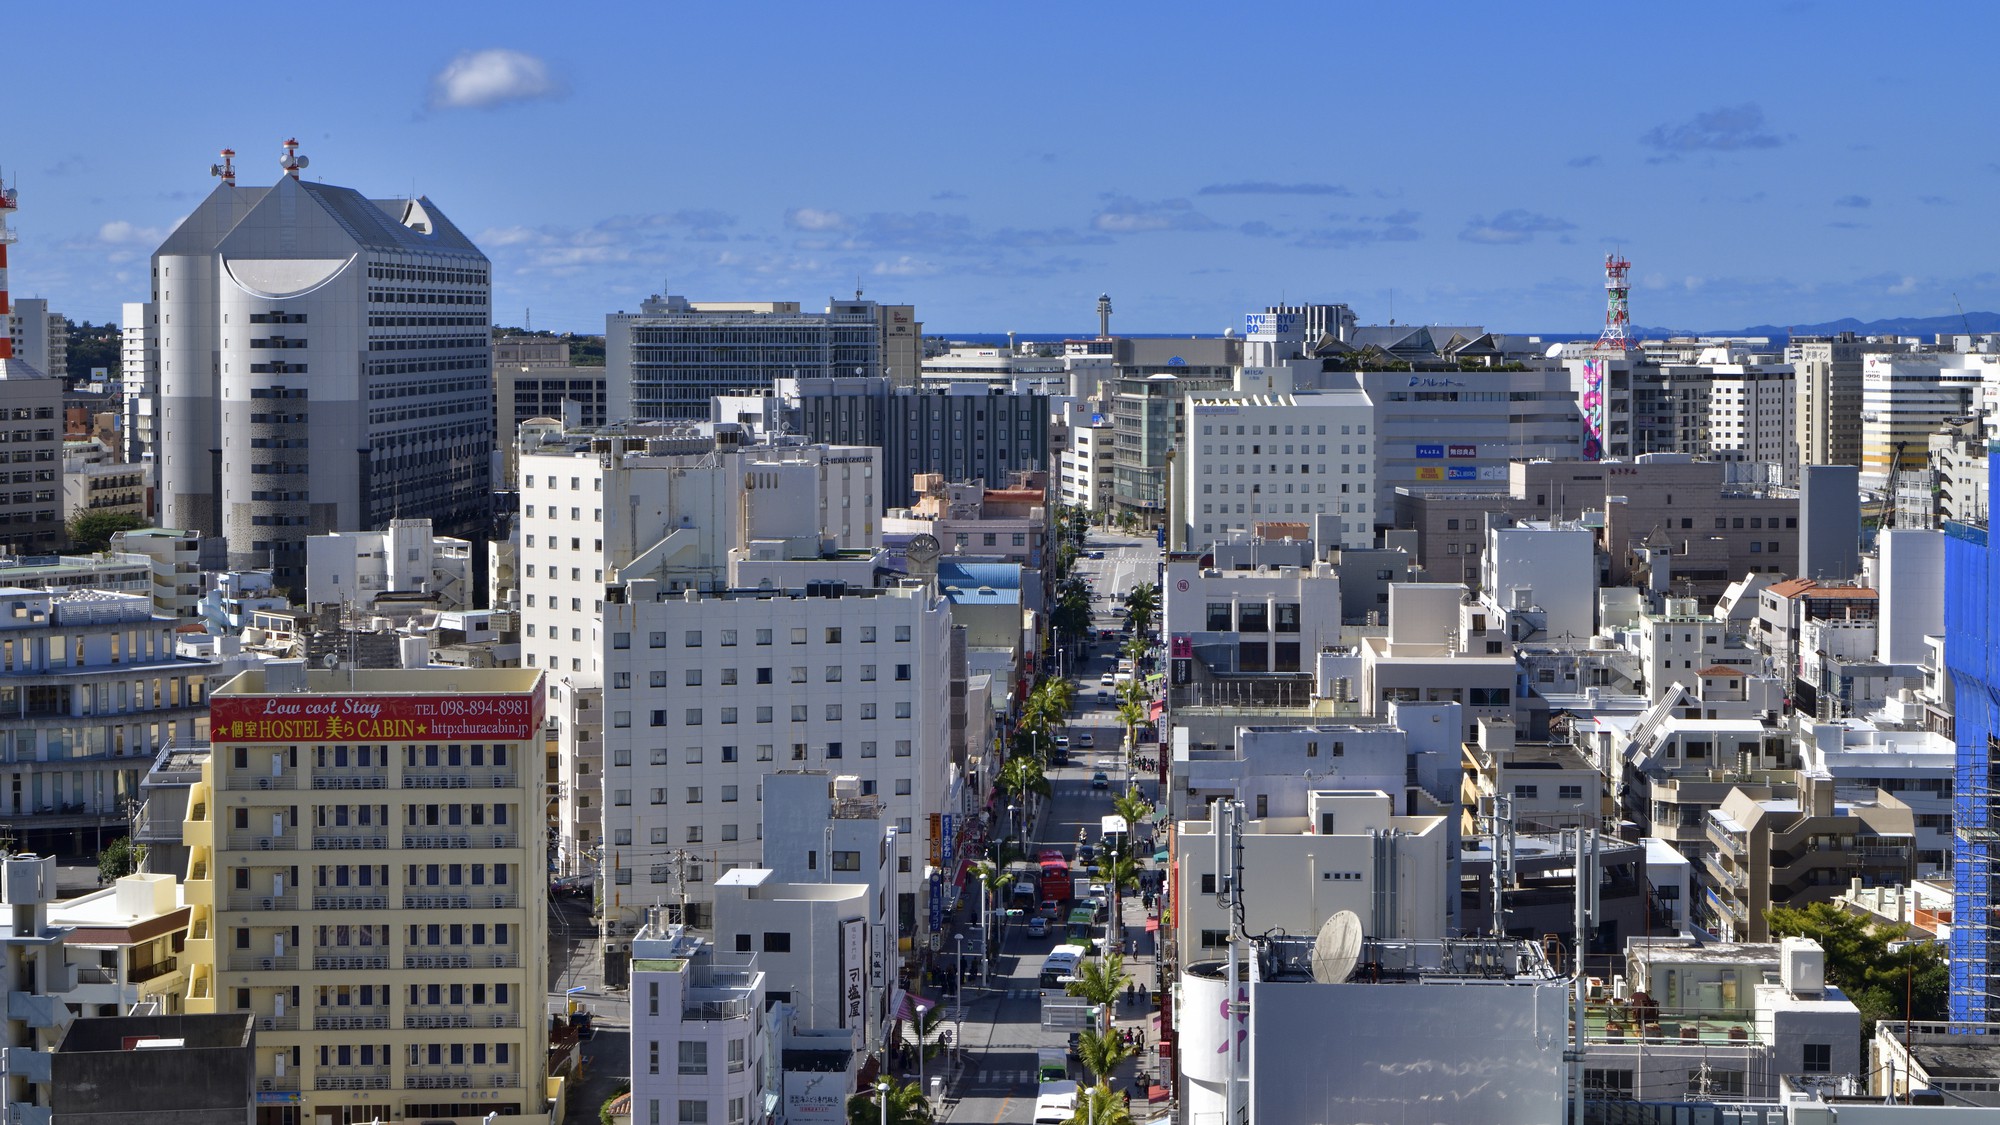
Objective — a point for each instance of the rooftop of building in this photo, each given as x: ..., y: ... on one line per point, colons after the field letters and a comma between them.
x: 1288, y: 959
x: 134, y: 1033
x: 1811, y: 588
x: 368, y: 681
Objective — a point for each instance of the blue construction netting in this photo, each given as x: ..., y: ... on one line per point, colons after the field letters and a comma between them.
x: 1972, y: 661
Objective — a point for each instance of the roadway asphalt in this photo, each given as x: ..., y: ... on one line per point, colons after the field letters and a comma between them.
x: 1000, y: 1020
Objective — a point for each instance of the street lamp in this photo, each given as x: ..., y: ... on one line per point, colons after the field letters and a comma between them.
x: 959, y: 966
x: 882, y: 1099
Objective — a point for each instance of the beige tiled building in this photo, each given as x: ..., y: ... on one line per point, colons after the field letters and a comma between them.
x: 365, y: 877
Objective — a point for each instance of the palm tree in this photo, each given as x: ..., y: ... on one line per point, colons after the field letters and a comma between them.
x: 1100, y: 980
x: 1101, y: 1054
x: 1131, y: 712
x: 1132, y: 806
x: 1120, y: 872
x: 1136, y: 647
x: 1101, y: 1105
x: 907, y: 1106
x: 1143, y: 603
x: 1022, y: 775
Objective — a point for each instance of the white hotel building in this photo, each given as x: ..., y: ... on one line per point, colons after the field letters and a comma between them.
x: 601, y: 507
x: 1282, y: 457
x: 707, y: 694
x: 709, y: 613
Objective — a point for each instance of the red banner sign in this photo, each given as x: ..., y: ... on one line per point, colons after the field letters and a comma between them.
x: 365, y: 718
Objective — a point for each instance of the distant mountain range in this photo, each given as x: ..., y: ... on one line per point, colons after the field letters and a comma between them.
x: 1926, y: 326
x: 1892, y: 326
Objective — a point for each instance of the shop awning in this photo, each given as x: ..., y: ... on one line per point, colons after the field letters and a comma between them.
x: 1152, y: 924
x: 913, y: 1006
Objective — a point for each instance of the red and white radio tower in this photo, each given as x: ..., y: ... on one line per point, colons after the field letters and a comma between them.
x: 8, y: 202
x: 1617, y: 336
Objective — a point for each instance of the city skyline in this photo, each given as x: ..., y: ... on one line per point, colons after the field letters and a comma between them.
x: 999, y: 178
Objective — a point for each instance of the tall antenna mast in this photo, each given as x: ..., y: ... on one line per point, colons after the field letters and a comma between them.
x: 1616, y: 337
x: 8, y: 202
x: 225, y: 171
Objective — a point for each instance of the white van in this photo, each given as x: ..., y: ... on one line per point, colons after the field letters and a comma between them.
x: 1055, y: 1103
x: 1061, y: 965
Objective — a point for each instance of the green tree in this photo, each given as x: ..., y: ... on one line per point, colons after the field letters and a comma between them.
x: 1022, y: 775
x: 1133, y: 806
x: 1859, y: 960
x: 1101, y: 1053
x: 1131, y: 712
x: 907, y: 1106
x: 119, y: 858
x: 604, y: 1111
x: 1100, y: 979
x: 92, y: 531
x: 1142, y: 605
x: 1101, y: 1105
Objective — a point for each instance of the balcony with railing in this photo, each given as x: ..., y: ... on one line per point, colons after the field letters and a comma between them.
x: 238, y: 781
x: 473, y: 957
x: 335, y: 840
x: 262, y: 841
x: 353, y: 1078
x: 246, y: 962
x: 347, y: 961
x: 252, y: 900
x: 140, y: 974
x: 287, y: 1022
x: 458, y: 1078
x: 471, y: 900
x: 731, y: 1008
x: 458, y: 777
x: 350, y: 898
x: 451, y: 840
x: 279, y: 1083
x: 355, y: 780
x: 459, y: 1016
x: 352, y: 1018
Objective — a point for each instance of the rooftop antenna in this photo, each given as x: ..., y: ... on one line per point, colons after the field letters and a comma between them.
x: 225, y: 171
x: 292, y: 162
x: 1616, y: 338
x: 9, y: 200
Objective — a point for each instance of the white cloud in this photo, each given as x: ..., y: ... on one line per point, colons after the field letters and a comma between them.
x: 118, y: 232
x: 1906, y: 285
x: 484, y: 79
x: 905, y: 266
x: 813, y: 218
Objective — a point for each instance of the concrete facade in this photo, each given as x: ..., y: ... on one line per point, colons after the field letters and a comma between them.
x: 304, y: 324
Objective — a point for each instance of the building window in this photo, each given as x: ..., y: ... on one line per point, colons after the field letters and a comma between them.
x: 694, y: 1057
x: 693, y: 1112
x: 1819, y: 1058
x: 1526, y: 792
x: 777, y: 941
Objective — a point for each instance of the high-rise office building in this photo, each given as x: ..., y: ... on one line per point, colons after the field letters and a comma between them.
x: 367, y: 876
x: 666, y: 361
x: 1972, y: 660
x: 1827, y: 373
x: 305, y: 326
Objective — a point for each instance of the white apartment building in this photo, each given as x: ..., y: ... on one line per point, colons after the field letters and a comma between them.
x: 601, y: 507
x: 1904, y: 397
x: 699, y: 1037
x: 305, y: 326
x: 90, y: 690
x: 1540, y: 577
x: 139, y: 382
x: 1272, y: 619
x: 707, y: 693
x: 1350, y: 851
x: 96, y: 478
x: 40, y: 337
x: 1276, y: 458
x: 1084, y: 469
x: 355, y: 567
x: 1752, y: 415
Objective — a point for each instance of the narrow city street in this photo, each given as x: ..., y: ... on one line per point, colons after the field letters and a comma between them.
x: 1001, y: 1028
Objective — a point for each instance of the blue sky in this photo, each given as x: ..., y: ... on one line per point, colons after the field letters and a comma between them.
x: 1000, y: 165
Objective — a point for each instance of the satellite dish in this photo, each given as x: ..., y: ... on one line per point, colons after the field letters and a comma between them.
x: 330, y: 660
x: 1338, y: 948
x: 924, y: 548
x: 1555, y: 351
